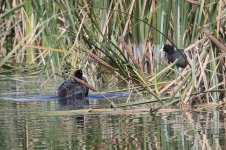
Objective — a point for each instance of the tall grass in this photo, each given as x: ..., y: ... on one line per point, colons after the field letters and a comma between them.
x: 119, y: 41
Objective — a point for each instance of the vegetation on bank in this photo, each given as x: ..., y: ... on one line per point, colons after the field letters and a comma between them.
x: 118, y: 43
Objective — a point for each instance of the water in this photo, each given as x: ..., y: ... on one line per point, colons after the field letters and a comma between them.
x: 26, y: 122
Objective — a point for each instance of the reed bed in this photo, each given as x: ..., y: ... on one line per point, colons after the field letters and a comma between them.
x: 118, y: 42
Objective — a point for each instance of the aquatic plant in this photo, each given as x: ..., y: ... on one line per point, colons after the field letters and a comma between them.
x: 119, y: 41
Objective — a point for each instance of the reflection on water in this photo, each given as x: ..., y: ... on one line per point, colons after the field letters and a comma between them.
x: 21, y: 128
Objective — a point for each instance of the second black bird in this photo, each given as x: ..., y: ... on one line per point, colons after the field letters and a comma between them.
x: 173, y: 55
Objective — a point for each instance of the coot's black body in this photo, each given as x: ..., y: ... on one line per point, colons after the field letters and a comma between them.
x: 73, y: 89
x: 172, y: 55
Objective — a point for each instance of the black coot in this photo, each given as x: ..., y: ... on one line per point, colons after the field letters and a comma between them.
x: 73, y: 89
x: 172, y: 55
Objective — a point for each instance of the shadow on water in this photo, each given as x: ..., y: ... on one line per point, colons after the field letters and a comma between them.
x: 91, y: 101
x: 21, y: 126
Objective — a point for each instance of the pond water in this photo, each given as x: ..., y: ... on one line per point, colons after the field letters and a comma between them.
x: 23, y: 125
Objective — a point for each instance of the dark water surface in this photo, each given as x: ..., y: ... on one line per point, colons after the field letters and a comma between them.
x: 21, y: 126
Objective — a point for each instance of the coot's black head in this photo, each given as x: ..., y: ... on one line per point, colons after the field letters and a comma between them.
x: 78, y: 74
x: 168, y: 49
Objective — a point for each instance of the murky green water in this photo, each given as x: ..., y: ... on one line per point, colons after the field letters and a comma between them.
x: 22, y: 128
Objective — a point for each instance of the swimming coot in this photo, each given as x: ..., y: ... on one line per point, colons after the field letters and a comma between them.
x: 172, y: 55
x: 73, y: 89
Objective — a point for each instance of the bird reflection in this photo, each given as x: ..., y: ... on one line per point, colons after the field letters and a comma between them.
x: 71, y: 103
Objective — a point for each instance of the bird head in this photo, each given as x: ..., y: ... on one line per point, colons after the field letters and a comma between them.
x: 78, y: 73
x: 168, y: 49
